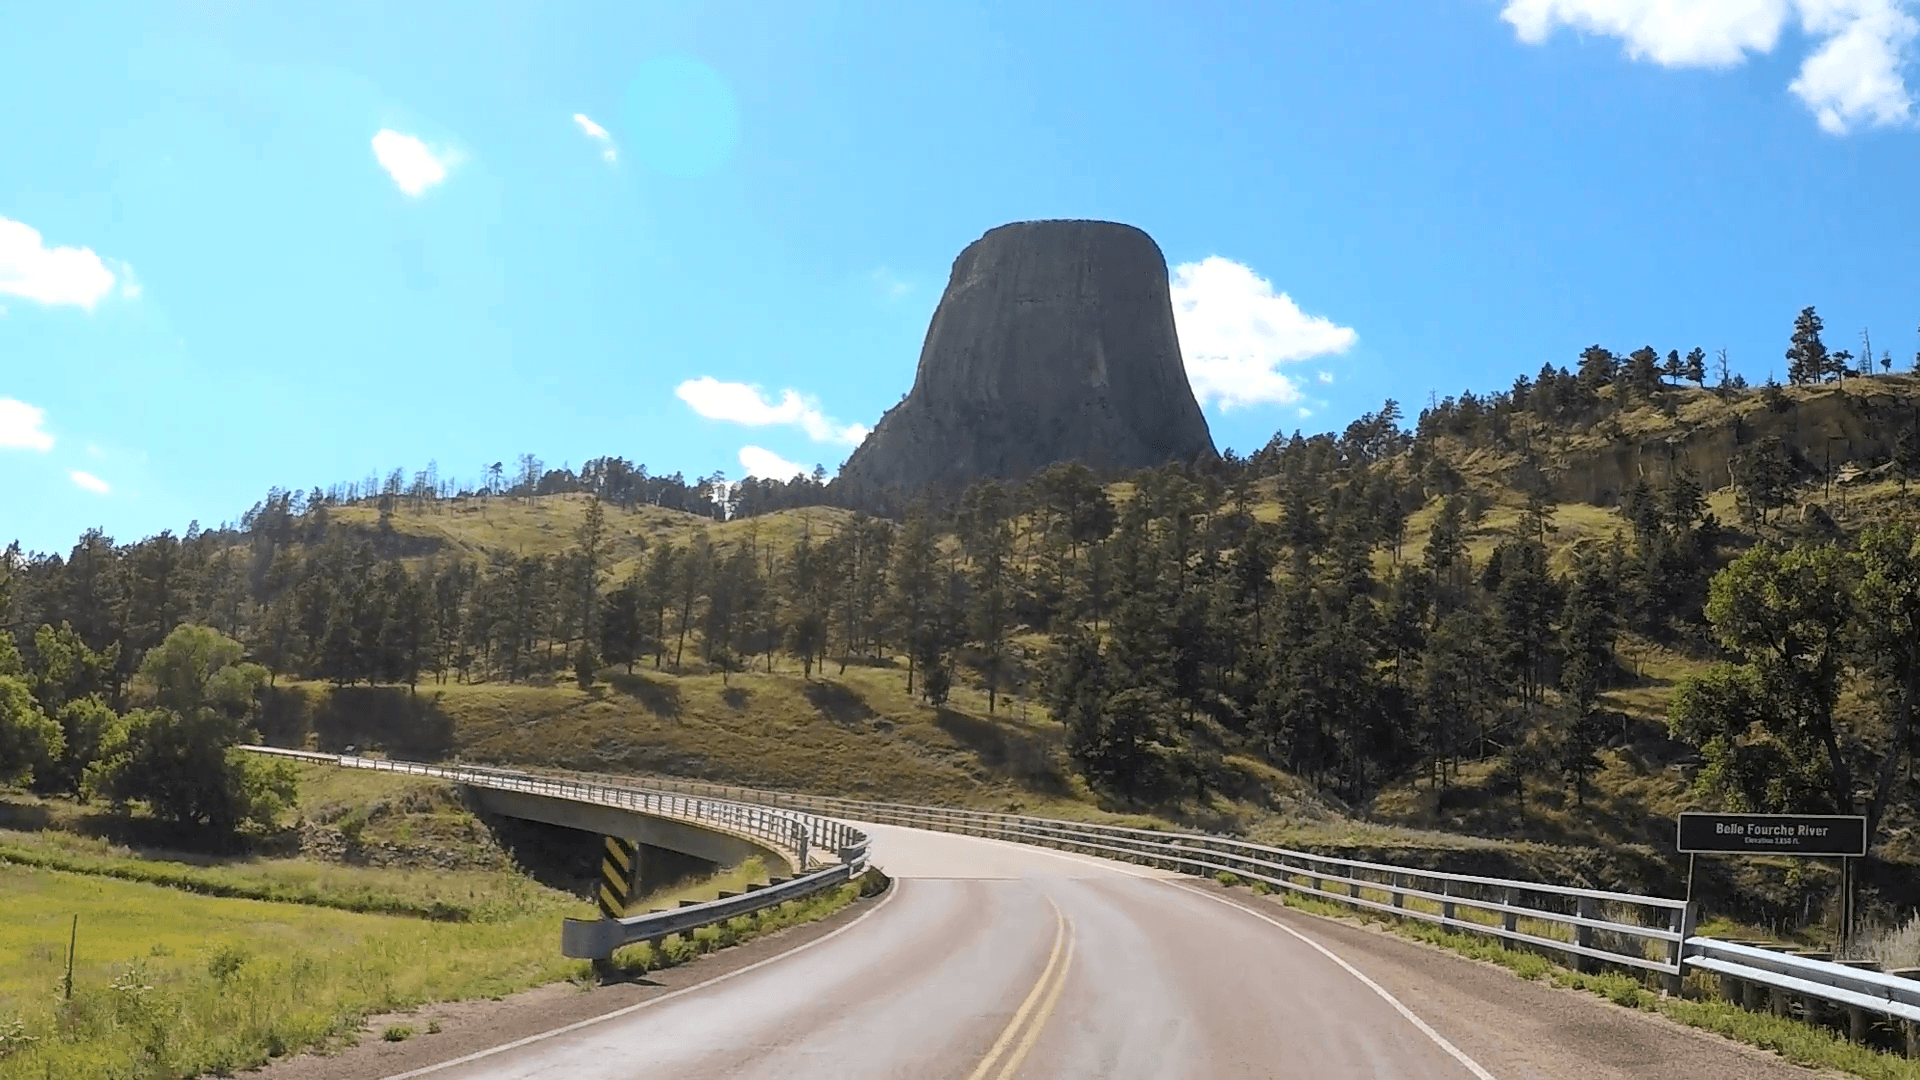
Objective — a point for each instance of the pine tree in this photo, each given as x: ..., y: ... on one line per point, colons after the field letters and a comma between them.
x: 1696, y: 367
x: 910, y: 597
x: 1807, y: 355
x: 1587, y: 628
x: 621, y: 634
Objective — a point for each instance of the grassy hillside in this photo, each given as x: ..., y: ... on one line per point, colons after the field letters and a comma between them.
x: 859, y: 733
x: 475, y: 527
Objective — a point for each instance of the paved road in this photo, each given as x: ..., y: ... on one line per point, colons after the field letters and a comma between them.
x: 993, y: 961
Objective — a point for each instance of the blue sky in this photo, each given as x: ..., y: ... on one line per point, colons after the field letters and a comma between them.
x: 241, y: 247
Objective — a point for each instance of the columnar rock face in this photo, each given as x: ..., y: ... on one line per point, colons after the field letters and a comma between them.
x: 1054, y: 341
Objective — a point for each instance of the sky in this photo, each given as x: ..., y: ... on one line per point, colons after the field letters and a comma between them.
x: 248, y: 245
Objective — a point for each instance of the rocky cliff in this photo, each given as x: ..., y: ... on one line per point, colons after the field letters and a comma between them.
x: 1827, y: 427
x: 1054, y: 341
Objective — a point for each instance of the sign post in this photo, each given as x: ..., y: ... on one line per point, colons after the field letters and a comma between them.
x: 1831, y: 835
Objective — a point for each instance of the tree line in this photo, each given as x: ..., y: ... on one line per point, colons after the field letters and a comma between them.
x: 1168, y: 629
x: 1178, y: 627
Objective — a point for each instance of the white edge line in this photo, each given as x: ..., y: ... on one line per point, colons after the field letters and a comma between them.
x: 1440, y: 1040
x: 892, y: 889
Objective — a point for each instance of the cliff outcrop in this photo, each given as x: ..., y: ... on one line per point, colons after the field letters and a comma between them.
x: 1054, y: 341
x: 1827, y: 427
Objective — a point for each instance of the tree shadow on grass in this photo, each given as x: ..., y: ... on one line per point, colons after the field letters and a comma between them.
x: 838, y: 702
x: 662, y: 699
x: 403, y: 723
x: 1025, y: 756
x: 151, y: 839
x: 736, y: 697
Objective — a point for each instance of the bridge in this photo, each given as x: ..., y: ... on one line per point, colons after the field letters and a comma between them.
x: 1015, y: 947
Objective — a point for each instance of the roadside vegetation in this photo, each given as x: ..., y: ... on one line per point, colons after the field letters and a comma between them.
x: 193, y: 962
x: 1537, y: 613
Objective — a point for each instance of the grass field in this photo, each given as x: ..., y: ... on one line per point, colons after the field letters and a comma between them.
x: 170, y: 984
x: 189, y: 963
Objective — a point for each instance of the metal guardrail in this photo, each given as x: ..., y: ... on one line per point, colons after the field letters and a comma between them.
x: 1505, y: 907
x: 1501, y: 904
x: 1814, y: 987
x: 596, y: 938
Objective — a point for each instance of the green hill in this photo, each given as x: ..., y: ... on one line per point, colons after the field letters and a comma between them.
x: 1360, y: 638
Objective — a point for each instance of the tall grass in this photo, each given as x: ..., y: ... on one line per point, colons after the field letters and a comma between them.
x: 170, y: 984
x: 448, y: 895
x: 1891, y: 945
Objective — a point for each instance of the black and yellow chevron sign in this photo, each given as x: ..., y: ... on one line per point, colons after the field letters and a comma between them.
x: 616, y: 877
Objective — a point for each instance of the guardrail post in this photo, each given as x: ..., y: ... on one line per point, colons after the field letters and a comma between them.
x: 1682, y: 924
x: 1587, y: 908
x: 1509, y: 920
x: 1398, y: 890
x: 1446, y: 906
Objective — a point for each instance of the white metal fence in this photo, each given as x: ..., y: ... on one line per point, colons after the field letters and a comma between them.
x: 797, y: 835
x: 1588, y: 927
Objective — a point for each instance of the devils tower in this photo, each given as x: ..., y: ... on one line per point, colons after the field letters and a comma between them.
x: 1054, y: 341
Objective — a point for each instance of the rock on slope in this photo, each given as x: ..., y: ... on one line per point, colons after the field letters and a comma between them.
x: 1054, y: 341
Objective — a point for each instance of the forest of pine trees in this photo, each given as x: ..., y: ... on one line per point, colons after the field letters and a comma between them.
x: 1165, y: 630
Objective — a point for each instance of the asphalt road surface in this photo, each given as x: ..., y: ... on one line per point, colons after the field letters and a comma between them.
x: 995, y: 961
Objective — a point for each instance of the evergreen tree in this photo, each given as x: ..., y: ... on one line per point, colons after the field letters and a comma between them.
x: 1807, y: 355
x: 1696, y: 367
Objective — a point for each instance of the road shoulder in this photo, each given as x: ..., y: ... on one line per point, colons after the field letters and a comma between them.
x: 1523, y: 1028
x: 469, y: 1027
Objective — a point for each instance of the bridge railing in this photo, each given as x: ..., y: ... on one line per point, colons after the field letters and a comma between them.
x: 797, y: 835
x: 1588, y: 927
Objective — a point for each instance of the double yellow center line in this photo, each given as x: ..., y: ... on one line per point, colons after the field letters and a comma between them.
x: 1045, y: 994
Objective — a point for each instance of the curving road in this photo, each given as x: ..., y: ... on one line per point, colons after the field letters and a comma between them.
x: 994, y: 961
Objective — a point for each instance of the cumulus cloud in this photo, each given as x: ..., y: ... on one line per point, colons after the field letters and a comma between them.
x: 740, y: 403
x: 86, y: 481
x: 1853, y: 77
x: 1237, y: 334
x: 414, y: 165
x: 51, y: 275
x: 599, y: 134
x: 768, y: 465
x: 23, y: 427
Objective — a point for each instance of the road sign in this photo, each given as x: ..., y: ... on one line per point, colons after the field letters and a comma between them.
x: 1773, y: 834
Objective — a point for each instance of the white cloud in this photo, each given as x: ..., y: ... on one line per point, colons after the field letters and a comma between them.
x: 88, y: 482
x: 414, y: 166
x: 768, y: 465
x: 1236, y: 333
x: 596, y: 132
x: 59, y: 275
x: 739, y: 403
x: 21, y: 427
x: 891, y: 285
x: 1853, y: 77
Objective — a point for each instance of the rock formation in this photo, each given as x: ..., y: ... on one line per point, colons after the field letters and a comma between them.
x: 1054, y: 341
